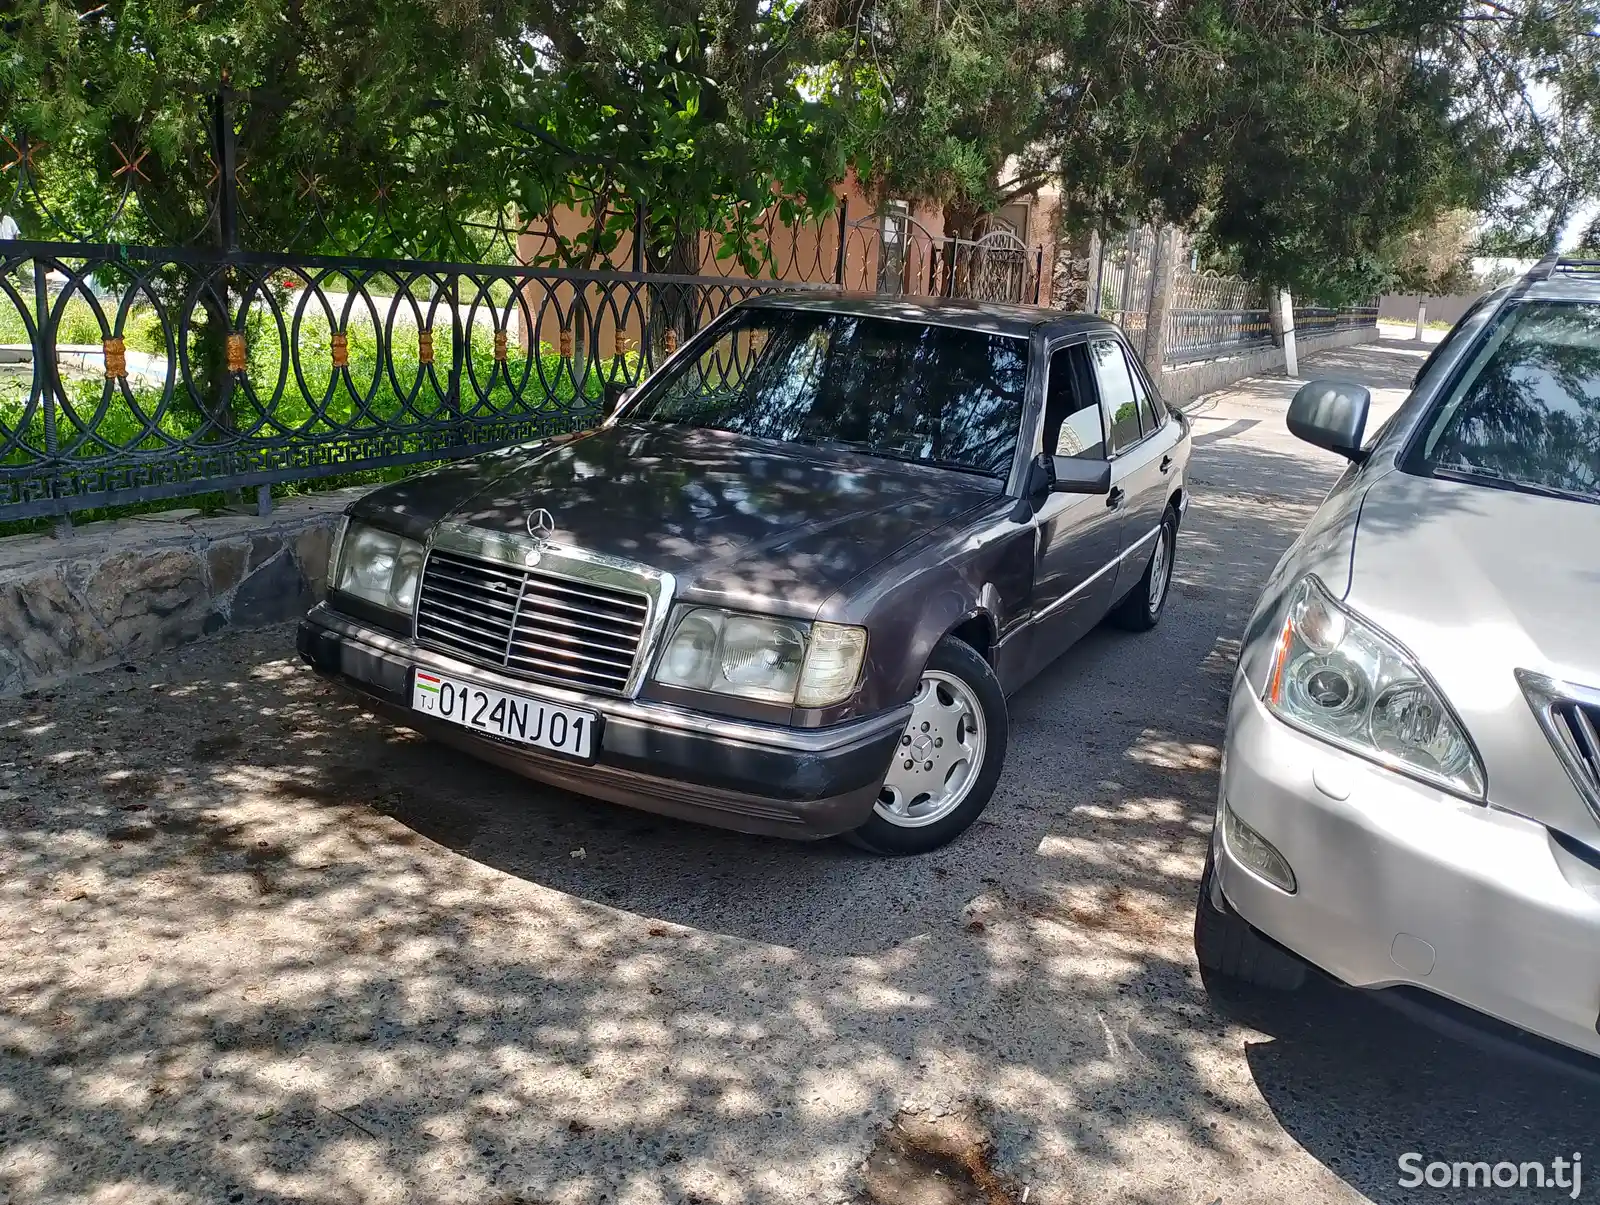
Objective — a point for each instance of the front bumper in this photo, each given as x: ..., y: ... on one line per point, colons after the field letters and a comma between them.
x: 755, y: 778
x: 1401, y: 884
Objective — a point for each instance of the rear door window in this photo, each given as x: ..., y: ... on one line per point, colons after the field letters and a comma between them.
x: 1117, y: 394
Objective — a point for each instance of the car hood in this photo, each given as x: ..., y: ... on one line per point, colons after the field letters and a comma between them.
x: 745, y: 521
x: 1478, y: 583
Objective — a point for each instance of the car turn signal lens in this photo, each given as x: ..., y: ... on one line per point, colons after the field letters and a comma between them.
x: 833, y: 665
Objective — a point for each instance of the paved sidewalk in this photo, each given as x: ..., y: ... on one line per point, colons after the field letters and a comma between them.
x: 257, y: 946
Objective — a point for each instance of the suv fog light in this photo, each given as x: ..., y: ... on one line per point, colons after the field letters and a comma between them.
x: 1255, y: 852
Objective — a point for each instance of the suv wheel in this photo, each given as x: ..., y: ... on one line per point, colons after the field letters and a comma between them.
x: 949, y: 757
x: 1140, y: 609
x: 1225, y: 943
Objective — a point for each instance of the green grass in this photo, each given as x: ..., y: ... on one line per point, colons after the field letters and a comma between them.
x: 331, y: 407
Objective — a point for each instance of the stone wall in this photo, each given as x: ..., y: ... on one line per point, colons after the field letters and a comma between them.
x: 1184, y: 383
x: 117, y: 591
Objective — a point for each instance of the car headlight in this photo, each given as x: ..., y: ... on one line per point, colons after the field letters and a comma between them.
x: 784, y: 661
x: 1339, y: 678
x: 379, y: 567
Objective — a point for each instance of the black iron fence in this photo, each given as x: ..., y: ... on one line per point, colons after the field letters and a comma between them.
x: 1206, y: 316
x: 131, y: 374
x: 1312, y: 320
x: 1214, y: 316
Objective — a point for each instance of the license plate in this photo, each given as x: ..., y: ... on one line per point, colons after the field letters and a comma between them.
x: 517, y: 718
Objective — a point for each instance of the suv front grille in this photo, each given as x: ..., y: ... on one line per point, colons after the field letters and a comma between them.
x: 536, y: 625
x: 1582, y: 722
x: 1570, y: 718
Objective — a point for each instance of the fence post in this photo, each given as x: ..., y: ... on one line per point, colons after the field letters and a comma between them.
x: 1285, y: 303
x: 1097, y: 253
x: 638, y: 234
x: 1163, y: 276
x: 844, y: 230
x: 227, y: 167
x: 44, y: 372
x: 1038, y: 273
x: 458, y: 345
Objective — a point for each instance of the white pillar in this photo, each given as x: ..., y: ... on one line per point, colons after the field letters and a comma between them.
x: 1291, y: 364
x: 1422, y: 317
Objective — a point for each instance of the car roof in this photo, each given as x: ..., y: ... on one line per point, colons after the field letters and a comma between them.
x: 992, y: 317
x: 1558, y: 278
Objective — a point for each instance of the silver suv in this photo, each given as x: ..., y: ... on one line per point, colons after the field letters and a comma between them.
x: 1411, y: 780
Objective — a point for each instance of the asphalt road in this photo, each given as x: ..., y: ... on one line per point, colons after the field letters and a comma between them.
x: 257, y: 946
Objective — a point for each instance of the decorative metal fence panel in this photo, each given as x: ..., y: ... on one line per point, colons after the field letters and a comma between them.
x: 1312, y: 320
x: 896, y: 255
x: 1213, y: 316
x: 131, y: 374
x: 1127, y: 278
x: 1206, y: 317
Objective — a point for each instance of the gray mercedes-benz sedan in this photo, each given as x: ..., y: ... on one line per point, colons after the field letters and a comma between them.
x: 1410, y: 789
x: 786, y: 586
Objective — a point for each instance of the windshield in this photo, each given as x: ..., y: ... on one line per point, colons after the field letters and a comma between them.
x: 1526, y: 413
x: 902, y: 390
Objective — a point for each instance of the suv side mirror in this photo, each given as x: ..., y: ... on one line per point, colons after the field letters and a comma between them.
x: 1069, y: 475
x: 1331, y: 415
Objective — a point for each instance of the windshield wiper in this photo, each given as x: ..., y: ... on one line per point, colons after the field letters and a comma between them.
x: 1494, y: 481
x: 867, y: 449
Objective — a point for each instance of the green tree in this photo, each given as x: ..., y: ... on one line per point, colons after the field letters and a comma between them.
x: 1307, y: 142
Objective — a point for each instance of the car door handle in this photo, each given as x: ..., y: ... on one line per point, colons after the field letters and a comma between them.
x: 1115, y: 497
x: 1166, y: 463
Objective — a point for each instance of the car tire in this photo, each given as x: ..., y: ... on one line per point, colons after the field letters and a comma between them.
x: 1140, y: 609
x: 958, y: 701
x: 1225, y: 943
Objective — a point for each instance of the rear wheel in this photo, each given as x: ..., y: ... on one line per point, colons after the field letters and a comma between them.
x: 1225, y: 943
x: 1141, y: 608
x: 949, y: 757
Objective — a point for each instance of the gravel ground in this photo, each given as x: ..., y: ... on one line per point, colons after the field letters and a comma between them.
x: 258, y: 946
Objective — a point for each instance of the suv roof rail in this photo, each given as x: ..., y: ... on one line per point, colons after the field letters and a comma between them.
x: 1547, y: 267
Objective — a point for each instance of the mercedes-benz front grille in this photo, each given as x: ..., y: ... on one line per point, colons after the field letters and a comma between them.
x: 535, y: 625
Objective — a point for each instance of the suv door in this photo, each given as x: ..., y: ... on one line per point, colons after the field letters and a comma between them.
x: 1142, y: 436
x: 1078, y: 535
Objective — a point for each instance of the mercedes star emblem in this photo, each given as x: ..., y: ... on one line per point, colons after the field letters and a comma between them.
x: 541, y: 526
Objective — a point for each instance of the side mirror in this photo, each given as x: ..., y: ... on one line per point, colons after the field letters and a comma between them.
x: 617, y: 396
x: 1331, y: 415
x: 1069, y: 475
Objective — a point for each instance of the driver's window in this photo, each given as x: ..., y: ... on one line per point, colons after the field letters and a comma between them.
x: 1071, y: 415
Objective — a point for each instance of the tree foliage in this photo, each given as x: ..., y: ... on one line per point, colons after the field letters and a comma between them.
x: 690, y: 112
x: 1310, y: 142
x: 1307, y: 141
x: 350, y: 118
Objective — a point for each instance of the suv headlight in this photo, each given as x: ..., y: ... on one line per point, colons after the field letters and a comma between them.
x: 1338, y: 678
x: 785, y: 661
x: 379, y: 567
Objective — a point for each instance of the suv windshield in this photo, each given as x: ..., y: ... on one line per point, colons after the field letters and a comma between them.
x: 901, y: 390
x: 1525, y: 414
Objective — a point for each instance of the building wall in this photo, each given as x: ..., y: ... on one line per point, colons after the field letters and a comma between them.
x: 1402, y: 307
x: 607, y: 321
